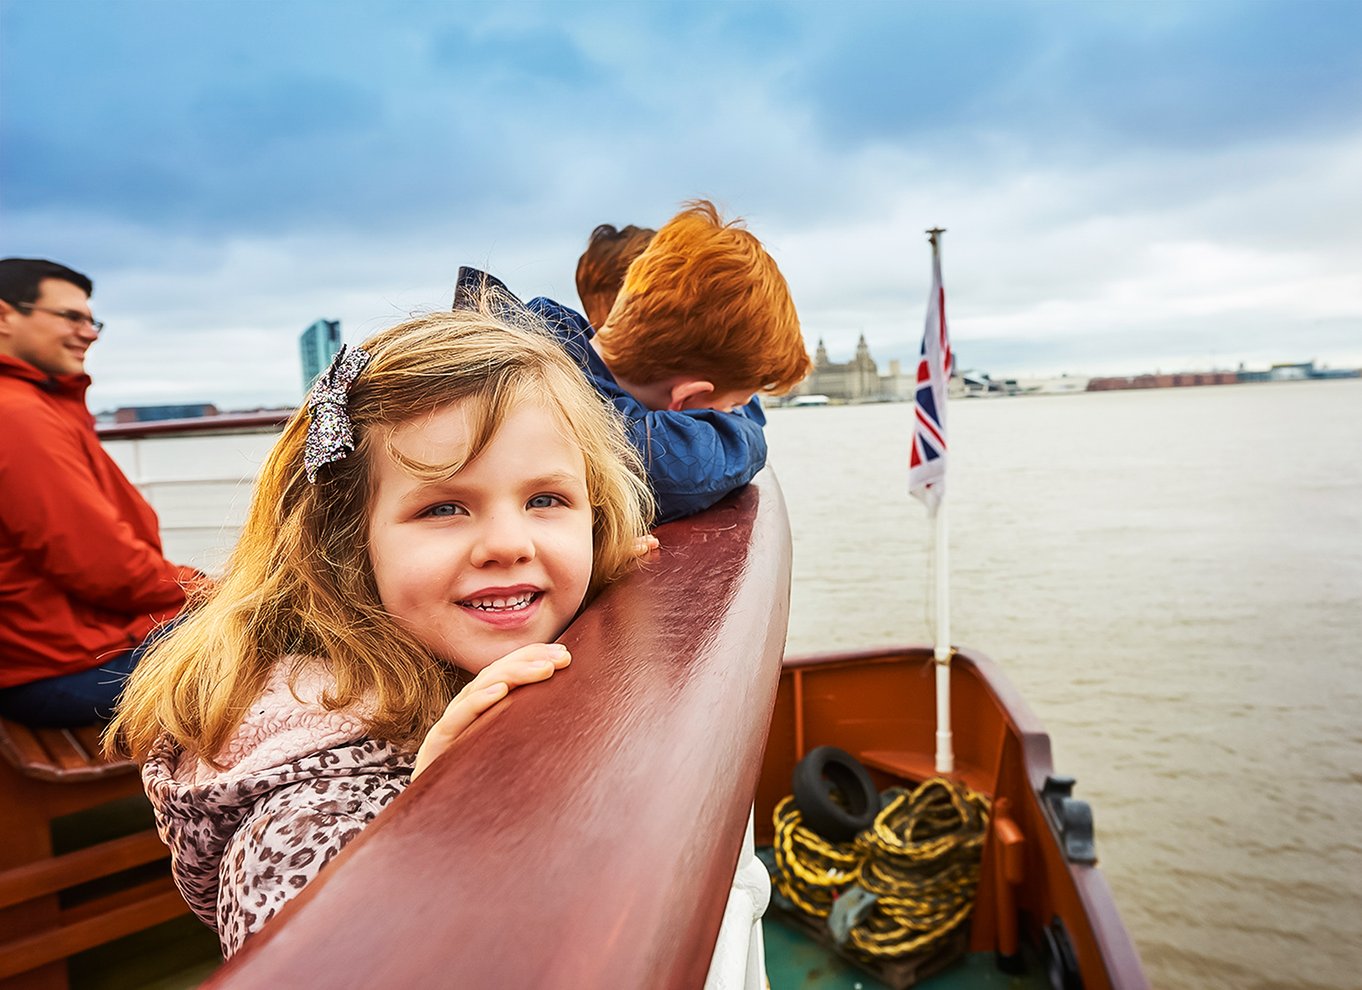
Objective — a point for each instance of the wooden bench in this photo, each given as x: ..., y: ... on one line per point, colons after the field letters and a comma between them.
x: 44, y: 775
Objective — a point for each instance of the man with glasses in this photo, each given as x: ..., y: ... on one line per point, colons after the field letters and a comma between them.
x: 82, y: 580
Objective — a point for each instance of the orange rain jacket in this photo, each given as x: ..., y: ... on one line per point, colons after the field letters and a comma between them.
x: 81, y: 571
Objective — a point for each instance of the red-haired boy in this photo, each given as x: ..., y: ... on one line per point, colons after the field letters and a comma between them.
x: 703, y: 324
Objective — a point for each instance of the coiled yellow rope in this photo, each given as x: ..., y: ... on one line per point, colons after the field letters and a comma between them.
x: 920, y: 858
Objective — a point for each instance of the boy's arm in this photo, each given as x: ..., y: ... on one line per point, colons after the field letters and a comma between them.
x: 696, y: 457
x: 693, y: 458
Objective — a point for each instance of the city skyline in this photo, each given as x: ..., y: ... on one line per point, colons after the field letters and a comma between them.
x: 962, y: 362
x: 882, y: 367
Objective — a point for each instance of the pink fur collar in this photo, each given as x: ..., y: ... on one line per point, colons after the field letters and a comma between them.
x: 282, y: 725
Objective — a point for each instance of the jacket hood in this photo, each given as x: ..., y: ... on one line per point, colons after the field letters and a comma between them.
x: 286, y: 738
x: 472, y: 287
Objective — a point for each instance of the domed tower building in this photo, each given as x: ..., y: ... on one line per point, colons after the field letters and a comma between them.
x: 857, y: 380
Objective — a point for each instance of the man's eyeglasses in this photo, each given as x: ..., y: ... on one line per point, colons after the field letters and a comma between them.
x: 69, y: 315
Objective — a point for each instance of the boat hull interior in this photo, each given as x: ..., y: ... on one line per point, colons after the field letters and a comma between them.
x: 879, y: 705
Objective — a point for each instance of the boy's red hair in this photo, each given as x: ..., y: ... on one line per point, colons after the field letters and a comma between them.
x: 706, y: 300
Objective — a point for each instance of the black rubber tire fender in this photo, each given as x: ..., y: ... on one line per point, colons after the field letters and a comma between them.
x: 827, y: 770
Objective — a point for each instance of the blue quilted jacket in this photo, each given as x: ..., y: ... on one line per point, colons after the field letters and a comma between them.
x: 694, y: 457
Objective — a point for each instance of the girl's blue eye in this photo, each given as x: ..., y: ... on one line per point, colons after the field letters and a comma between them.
x: 444, y: 509
x: 544, y: 502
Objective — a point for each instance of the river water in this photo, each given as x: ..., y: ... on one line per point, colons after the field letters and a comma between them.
x: 1173, y: 578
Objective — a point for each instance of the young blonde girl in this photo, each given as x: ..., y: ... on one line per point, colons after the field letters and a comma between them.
x: 420, y: 533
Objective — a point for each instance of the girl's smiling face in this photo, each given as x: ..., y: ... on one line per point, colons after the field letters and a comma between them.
x: 497, y: 556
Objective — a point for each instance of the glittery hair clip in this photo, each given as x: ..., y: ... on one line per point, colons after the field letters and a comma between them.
x: 330, y: 434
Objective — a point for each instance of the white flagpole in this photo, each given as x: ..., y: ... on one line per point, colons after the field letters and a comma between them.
x: 945, y: 752
x: 941, y: 655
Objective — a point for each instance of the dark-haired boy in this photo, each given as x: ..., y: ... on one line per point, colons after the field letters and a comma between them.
x: 603, y: 265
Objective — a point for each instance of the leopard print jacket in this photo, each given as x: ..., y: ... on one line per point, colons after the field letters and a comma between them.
x: 299, y: 782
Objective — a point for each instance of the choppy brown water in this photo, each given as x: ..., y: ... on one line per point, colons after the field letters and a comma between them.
x: 1174, y: 580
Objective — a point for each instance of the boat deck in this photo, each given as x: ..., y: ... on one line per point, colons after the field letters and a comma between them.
x: 182, y: 954
x: 177, y: 955
x: 796, y: 962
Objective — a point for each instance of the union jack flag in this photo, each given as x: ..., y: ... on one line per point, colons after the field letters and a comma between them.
x: 927, y: 465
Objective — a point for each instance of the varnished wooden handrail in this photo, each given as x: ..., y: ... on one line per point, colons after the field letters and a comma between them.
x: 585, y: 833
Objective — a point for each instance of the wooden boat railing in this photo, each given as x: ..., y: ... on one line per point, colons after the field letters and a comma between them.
x: 265, y: 419
x: 585, y: 833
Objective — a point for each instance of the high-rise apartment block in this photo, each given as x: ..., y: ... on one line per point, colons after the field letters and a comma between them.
x: 318, y: 345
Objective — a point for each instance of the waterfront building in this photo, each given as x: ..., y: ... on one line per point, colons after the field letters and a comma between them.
x: 857, y: 380
x: 1065, y: 384
x: 1307, y: 369
x: 1286, y: 372
x: 318, y: 344
x: 1182, y: 379
x: 974, y: 383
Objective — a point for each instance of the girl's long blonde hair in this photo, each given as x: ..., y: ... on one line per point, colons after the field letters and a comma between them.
x: 300, y: 583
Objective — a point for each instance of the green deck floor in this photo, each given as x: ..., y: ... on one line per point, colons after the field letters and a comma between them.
x: 796, y: 962
x: 177, y: 955
x: 182, y: 954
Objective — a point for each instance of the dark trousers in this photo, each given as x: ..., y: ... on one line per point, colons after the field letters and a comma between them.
x: 83, y: 698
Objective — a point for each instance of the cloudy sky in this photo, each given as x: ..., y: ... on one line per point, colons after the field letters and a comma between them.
x: 1127, y: 187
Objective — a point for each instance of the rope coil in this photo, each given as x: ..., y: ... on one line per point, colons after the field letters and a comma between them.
x: 920, y: 860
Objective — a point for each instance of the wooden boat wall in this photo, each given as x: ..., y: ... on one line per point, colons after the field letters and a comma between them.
x: 586, y: 832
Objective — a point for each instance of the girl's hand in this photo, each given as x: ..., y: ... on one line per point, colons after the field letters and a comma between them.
x: 645, y: 545
x: 535, y: 662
